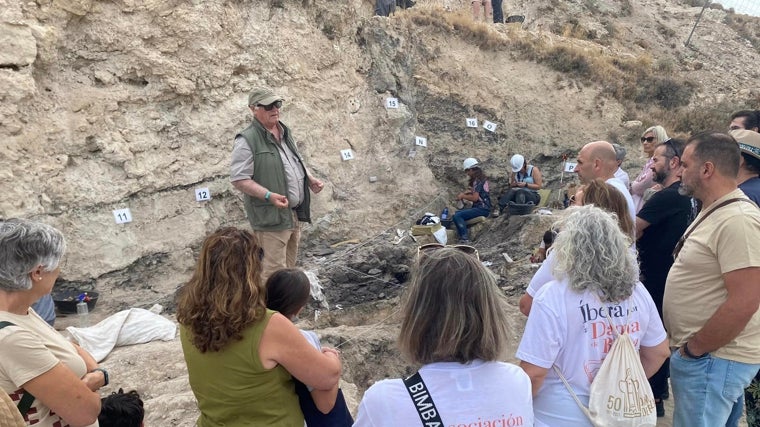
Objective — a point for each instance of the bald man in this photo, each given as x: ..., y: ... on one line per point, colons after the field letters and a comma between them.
x: 598, y: 160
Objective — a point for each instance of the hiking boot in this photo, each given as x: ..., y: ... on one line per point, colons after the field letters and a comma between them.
x: 660, y: 407
x: 495, y: 214
x: 464, y: 241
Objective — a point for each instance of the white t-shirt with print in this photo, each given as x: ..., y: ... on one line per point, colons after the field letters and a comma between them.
x: 570, y: 330
x: 464, y: 394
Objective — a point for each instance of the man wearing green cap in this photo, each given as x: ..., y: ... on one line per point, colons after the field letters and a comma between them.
x: 268, y: 169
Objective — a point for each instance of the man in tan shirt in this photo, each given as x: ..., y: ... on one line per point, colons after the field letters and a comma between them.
x: 712, y: 292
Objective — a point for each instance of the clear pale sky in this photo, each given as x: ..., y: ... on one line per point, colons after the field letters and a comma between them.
x: 749, y: 7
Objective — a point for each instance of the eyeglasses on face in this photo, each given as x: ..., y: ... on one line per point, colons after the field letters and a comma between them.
x: 276, y: 104
x: 470, y: 250
x: 647, y: 139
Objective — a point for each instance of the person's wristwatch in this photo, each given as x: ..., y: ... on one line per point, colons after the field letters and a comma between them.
x: 105, y: 374
x: 689, y: 354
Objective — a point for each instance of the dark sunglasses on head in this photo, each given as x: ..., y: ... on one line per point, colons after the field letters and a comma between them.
x: 673, y: 146
x: 276, y: 104
x: 647, y: 139
x: 470, y: 250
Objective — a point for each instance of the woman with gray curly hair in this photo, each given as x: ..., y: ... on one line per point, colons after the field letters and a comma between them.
x: 53, y: 381
x: 597, y: 282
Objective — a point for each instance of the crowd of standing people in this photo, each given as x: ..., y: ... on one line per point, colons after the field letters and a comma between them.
x: 676, y: 270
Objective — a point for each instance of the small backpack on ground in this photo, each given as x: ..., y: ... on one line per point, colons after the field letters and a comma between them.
x: 620, y: 394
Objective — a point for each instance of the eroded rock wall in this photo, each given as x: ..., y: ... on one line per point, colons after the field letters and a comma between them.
x: 134, y: 104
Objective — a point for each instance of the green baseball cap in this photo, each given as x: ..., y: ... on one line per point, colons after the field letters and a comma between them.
x: 263, y: 96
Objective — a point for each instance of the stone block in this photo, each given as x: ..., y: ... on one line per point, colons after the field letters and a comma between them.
x: 19, y: 45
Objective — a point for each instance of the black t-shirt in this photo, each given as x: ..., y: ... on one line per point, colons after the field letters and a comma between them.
x: 668, y: 214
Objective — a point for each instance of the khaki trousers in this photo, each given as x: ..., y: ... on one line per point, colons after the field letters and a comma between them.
x: 280, y: 248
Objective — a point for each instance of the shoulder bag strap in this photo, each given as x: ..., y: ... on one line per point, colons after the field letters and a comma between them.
x: 6, y: 323
x: 572, y: 393
x: 683, y: 238
x: 27, y: 399
x: 564, y: 380
x: 422, y: 400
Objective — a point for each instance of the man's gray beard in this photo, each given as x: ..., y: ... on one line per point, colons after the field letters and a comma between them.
x: 685, y: 191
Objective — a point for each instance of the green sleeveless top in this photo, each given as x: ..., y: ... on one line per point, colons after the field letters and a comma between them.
x: 233, y: 388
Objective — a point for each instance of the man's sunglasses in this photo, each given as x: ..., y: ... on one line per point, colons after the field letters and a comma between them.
x: 470, y: 250
x: 673, y: 146
x: 276, y: 104
x: 647, y: 139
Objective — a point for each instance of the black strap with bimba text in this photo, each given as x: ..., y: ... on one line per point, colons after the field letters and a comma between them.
x: 422, y: 400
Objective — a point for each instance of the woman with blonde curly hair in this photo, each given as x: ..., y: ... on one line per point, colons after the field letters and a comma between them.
x: 571, y: 322
x: 239, y: 355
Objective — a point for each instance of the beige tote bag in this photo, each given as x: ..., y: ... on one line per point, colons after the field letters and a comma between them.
x: 620, y: 395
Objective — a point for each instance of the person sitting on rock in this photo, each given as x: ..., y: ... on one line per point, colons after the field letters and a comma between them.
x: 454, y: 325
x: 288, y: 292
x: 524, y: 182
x: 479, y: 194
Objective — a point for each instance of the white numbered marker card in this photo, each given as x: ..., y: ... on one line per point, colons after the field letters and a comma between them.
x: 472, y: 122
x: 391, y: 102
x: 347, y: 154
x: 420, y: 140
x: 490, y: 126
x: 202, y: 194
x: 570, y: 166
x: 122, y: 216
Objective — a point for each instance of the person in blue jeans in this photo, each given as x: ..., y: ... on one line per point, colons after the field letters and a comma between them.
x: 711, y: 299
x: 498, y: 14
x: 478, y: 194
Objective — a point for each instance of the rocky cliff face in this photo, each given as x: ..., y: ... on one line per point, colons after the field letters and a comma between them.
x: 134, y: 104
x: 112, y: 105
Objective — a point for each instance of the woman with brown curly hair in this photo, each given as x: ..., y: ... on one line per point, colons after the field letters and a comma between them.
x: 239, y: 355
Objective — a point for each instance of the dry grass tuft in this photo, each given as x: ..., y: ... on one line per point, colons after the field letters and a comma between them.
x: 693, y: 120
x: 633, y: 78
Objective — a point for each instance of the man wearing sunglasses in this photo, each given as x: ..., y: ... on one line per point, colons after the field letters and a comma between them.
x: 270, y: 172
